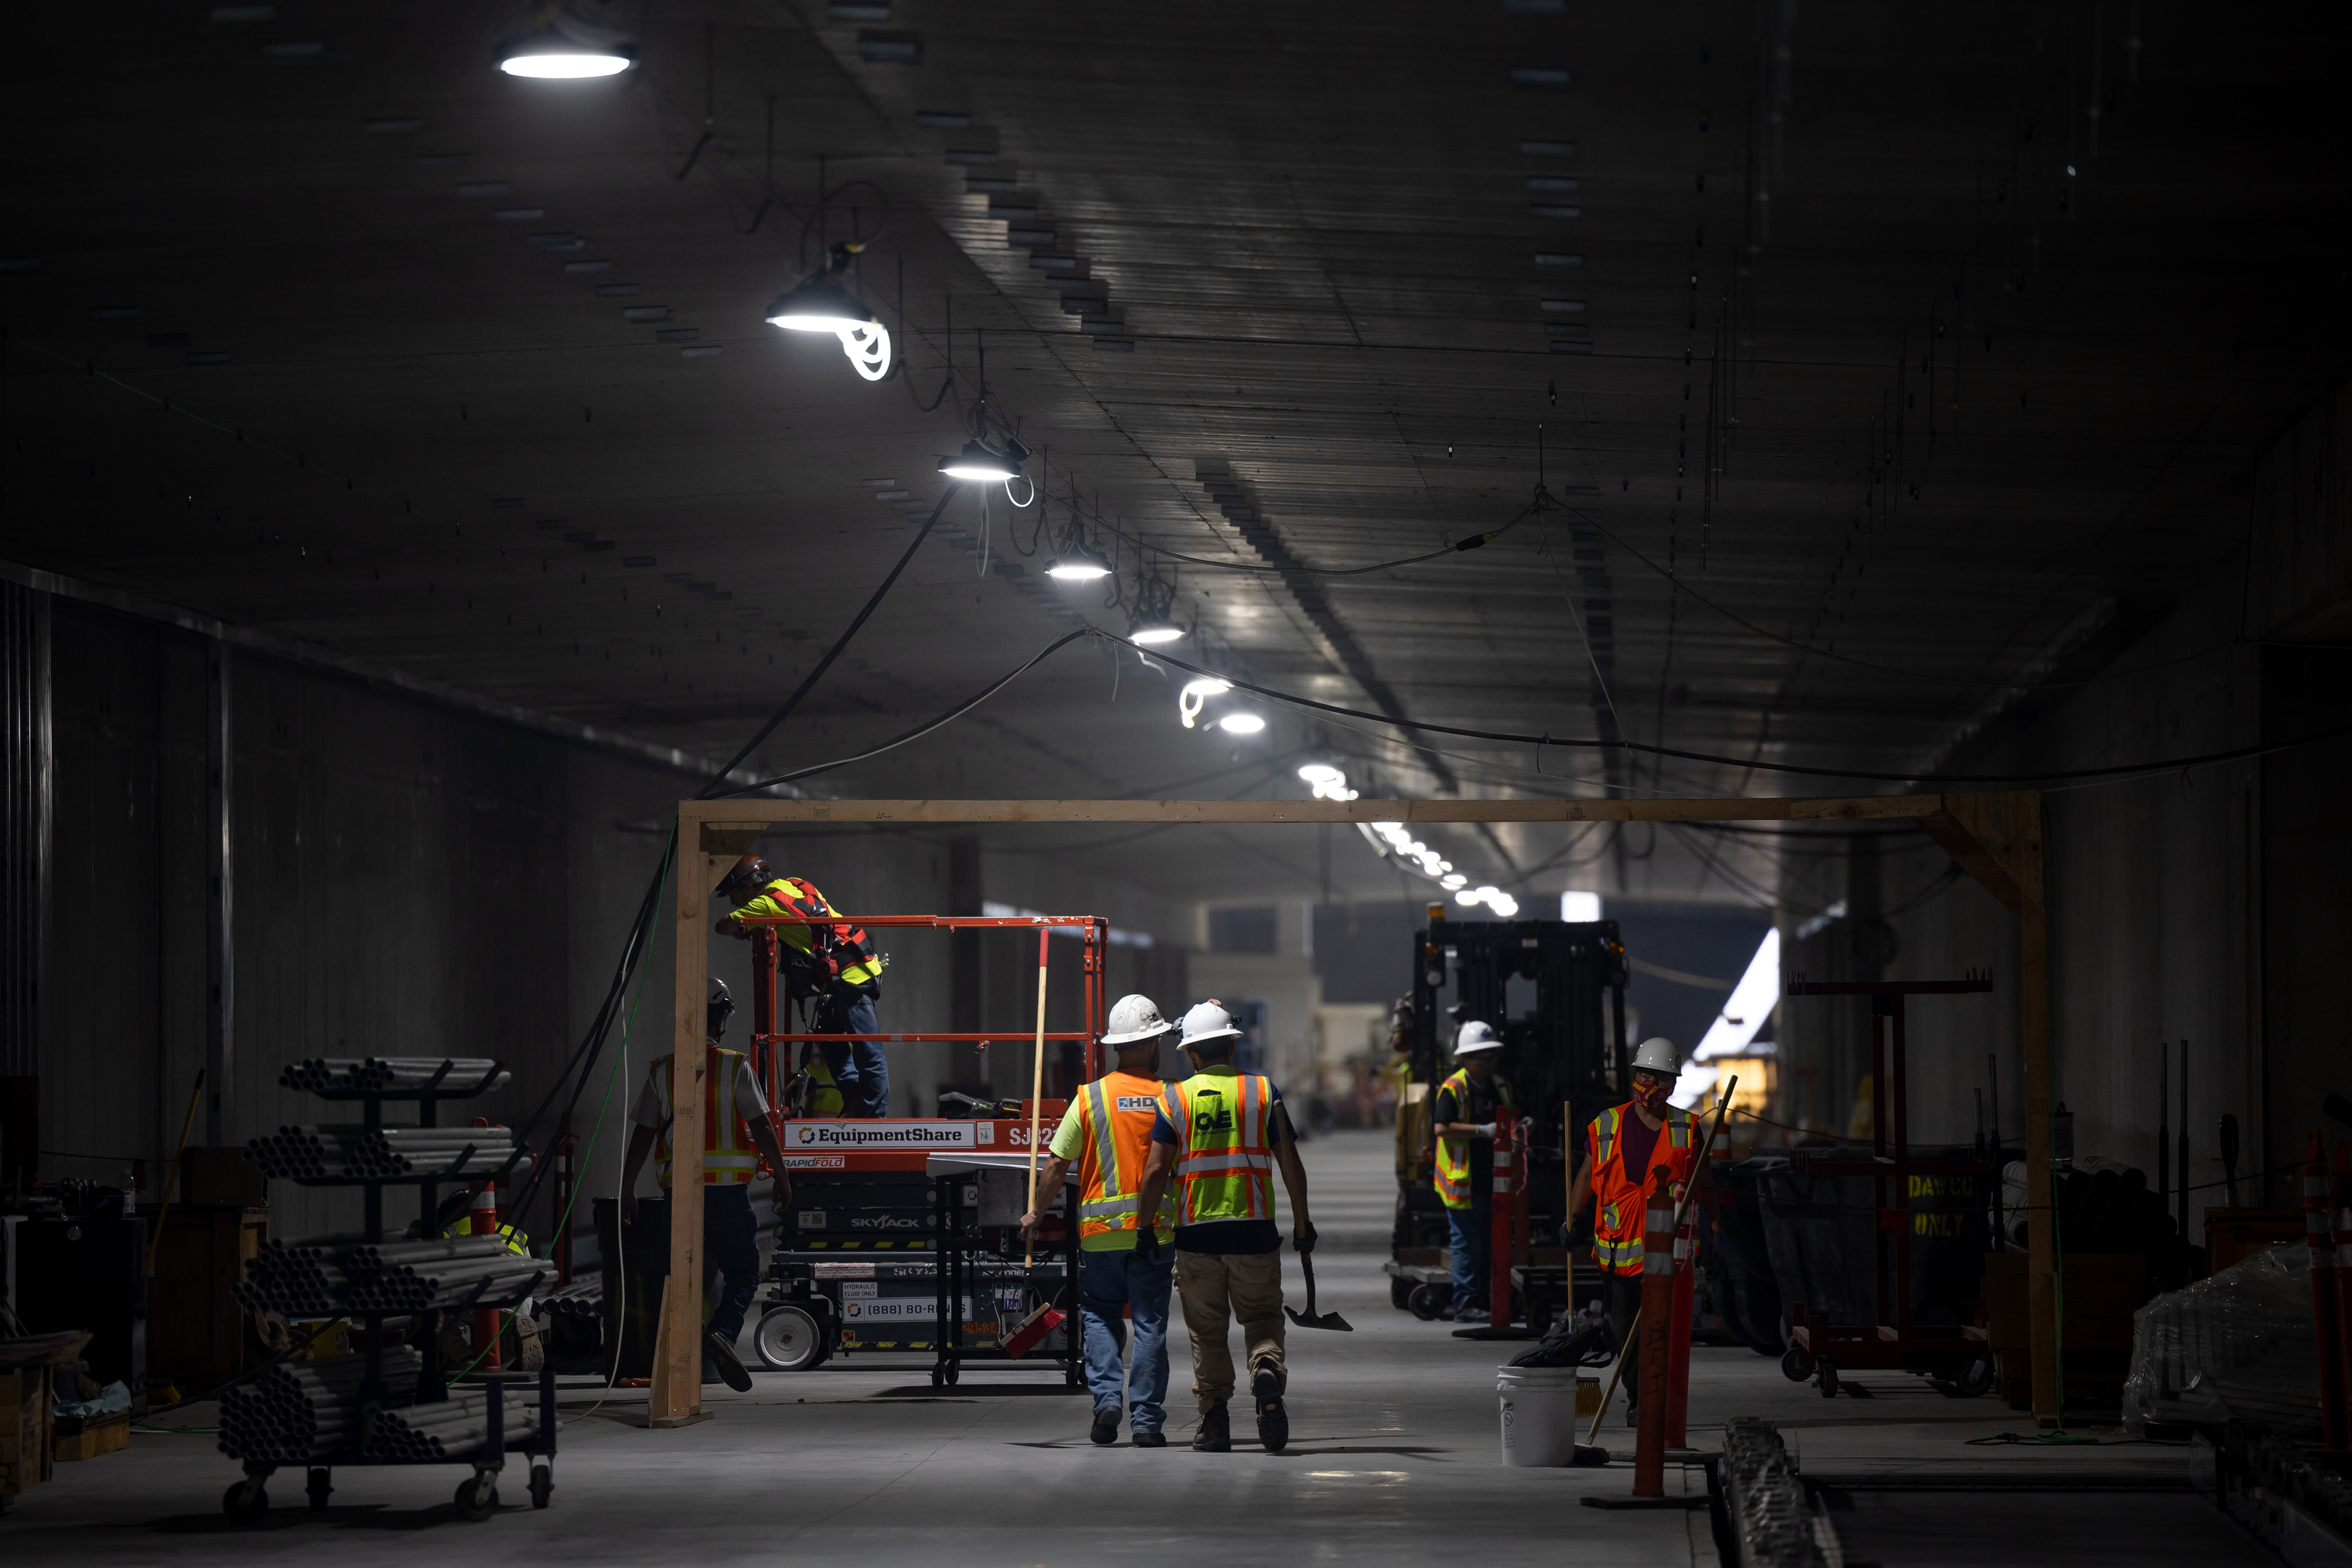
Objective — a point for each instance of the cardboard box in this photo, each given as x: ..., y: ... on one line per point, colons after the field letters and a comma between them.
x: 89, y: 1437
x: 2101, y: 1292
x: 224, y: 1177
x: 2235, y: 1235
x: 24, y: 1435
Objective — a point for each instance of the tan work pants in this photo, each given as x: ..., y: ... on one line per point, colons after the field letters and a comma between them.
x: 1216, y: 1288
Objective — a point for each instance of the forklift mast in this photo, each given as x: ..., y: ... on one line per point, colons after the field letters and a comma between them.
x: 1567, y: 1057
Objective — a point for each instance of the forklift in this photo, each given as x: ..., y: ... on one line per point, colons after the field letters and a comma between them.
x: 1564, y: 1051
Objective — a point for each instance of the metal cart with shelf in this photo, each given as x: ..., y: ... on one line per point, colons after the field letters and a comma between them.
x: 970, y: 1274
x: 246, y: 1501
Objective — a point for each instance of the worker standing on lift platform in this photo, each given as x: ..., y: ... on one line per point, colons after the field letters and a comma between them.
x: 1621, y: 1146
x: 1106, y: 1134
x: 1464, y: 1117
x: 834, y: 965
x: 1221, y: 1133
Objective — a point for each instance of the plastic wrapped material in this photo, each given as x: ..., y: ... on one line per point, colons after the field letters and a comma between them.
x: 2236, y: 1347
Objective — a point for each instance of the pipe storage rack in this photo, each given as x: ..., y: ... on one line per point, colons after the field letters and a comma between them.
x: 386, y: 1424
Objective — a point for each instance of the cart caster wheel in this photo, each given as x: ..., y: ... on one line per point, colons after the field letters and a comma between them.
x: 1975, y: 1382
x: 244, y: 1502
x: 1829, y: 1377
x: 1401, y: 1295
x: 542, y: 1486
x: 478, y: 1497
x: 939, y: 1378
x: 953, y: 1374
x: 319, y: 1490
x: 1428, y: 1301
x: 1795, y: 1365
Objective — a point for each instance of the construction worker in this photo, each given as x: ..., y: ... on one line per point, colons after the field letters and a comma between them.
x: 1463, y: 1118
x: 1107, y: 1135
x: 1622, y: 1146
x: 735, y: 1132
x: 834, y: 966
x: 1221, y: 1133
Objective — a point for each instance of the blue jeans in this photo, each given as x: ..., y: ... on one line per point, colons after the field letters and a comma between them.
x: 731, y: 1247
x: 1107, y: 1281
x: 1472, y: 1229
x: 858, y: 1066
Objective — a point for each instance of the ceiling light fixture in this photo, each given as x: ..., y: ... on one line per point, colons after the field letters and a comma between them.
x: 977, y: 464
x: 818, y: 304
x: 565, y: 43
x: 1241, y: 724
x: 1079, y: 564
x: 1195, y: 693
x: 1150, y: 630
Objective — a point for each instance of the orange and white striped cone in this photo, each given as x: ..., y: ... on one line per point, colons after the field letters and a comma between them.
x: 484, y: 1212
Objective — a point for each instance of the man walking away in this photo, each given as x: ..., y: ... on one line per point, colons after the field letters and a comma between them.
x: 1465, y: 1115
x: 735, y: 1133
x: 1106, y: 1134
x: 1220, y: 1134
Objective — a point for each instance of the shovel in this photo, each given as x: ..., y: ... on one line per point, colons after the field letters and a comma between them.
x: 1309, y: 1319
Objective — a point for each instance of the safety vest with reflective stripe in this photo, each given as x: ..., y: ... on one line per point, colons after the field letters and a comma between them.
x: 1115, y: 1117
x: 1618, y: 1215
x: 1224, y: 1158
x: 824, y: 1092
x: 849, y: 945
x: 729, y: 1156
x: 1453, y: 1154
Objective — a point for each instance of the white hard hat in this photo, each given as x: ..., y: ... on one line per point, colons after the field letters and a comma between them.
x: 1208, y: 1022
x: 1658, y: 1053
x: 1475, y: 1037
x: 1134, y: 1019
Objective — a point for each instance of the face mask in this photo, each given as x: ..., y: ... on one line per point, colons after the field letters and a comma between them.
x: 1652, y: 1096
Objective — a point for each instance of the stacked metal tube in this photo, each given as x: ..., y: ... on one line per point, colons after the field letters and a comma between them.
x: 448, y: 1429
x: 309, y: 1409
x: 347, y: 1274
x: 352, y: 1152
x: 581, y: 1299
x: 393, y: 1075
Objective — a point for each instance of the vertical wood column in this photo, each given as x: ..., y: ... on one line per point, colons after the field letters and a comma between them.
x: 675, y: 1398
x: 2041, y: 1258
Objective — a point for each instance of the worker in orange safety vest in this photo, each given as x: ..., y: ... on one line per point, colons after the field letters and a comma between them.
x: 1106, y: 1136
x: 1622, y: 1146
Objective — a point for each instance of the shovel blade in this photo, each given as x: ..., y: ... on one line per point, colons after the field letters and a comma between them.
x: 1327, y: 1321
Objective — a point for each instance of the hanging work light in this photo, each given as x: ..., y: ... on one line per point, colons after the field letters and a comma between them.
x: 565, y: 43
x: 1241, y: 724
x: 1152, y: 629
x: 1196, y: 693
x: 1079, y: 564
x: 818, y: 304
x: 977, y: 464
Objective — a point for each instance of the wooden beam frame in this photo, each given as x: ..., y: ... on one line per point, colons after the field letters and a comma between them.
x: 1997, y: 838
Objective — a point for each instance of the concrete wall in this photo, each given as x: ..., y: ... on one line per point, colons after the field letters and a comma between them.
x: 2205, y: 904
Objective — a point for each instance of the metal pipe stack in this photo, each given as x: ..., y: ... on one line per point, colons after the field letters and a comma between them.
x: 581, y: 1299
x: 358, y: 1152
x: 393, y: 1075
x: 307, y: 1410
x: 347, y: 1274
x: 495, y: 1281
x: 454, y: 1427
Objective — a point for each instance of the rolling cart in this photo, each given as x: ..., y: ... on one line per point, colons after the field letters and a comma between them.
x: 246, y: 1501
x: 980, y: 1268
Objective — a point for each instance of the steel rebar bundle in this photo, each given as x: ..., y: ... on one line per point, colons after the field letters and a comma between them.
x: 304, y: 1410
x: 393, y: 1075
x: 382, y: 1154
x: 457, y: 1426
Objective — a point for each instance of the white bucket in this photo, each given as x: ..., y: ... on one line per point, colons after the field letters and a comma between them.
x: 1539, y: 1413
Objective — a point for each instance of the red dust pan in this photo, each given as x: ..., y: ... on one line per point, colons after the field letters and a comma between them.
x: 1034, y: 1329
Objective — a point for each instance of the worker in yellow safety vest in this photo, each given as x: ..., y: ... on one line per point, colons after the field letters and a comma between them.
x: 1622, y: 1146
x: 1106, y: 1135
x: 833, y: 967
x: 1463, y: 1118
x: 1221, y: 1134
x: 736, y: 1133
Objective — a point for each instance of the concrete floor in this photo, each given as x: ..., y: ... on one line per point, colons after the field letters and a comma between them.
x: 1394, y: 1458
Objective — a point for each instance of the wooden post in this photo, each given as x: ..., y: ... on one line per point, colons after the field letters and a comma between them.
x: 676, y: 1397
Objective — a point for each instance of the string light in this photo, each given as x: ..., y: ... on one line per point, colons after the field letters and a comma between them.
x: 1189, y: 701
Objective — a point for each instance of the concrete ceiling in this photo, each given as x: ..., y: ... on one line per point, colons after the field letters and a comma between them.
x: 1900, y: 353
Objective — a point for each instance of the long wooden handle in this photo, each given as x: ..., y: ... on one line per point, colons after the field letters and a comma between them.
x: 1036, y: 1093
x: 187, y: 1124
x: 1633, y: 1329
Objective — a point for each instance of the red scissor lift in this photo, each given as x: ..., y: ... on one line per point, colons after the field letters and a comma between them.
x: 956, y: 1259
x: 1894, y: 1341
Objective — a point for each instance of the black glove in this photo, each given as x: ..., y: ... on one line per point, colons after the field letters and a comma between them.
x: 1147, y: 1245
x: 1304, y: 1241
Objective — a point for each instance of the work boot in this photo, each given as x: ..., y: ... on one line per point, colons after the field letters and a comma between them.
x: 730, y: 1365
x: 1106, y: 1427
x: 1216, y: 1433
x: 1151, y: 1439
x: 1272, y: 1420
